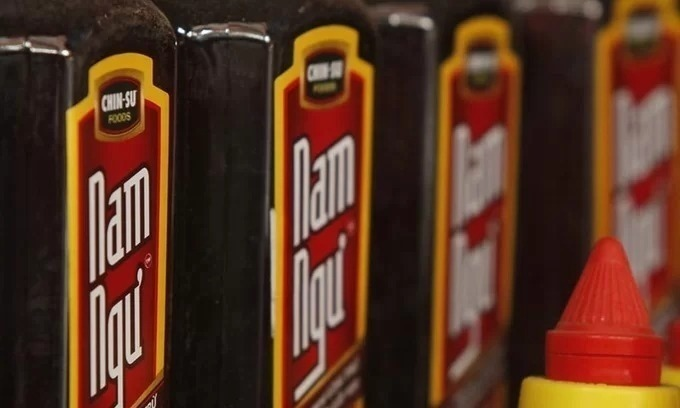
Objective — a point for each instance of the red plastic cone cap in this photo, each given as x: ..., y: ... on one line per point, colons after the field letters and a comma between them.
x: 604, y: 335
x: 674, y: 343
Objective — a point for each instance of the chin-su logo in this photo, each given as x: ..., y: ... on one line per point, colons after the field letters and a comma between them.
x: 325, y: 77
x: 481, y: 67
x: 120, y: 112
x: 643, y: 31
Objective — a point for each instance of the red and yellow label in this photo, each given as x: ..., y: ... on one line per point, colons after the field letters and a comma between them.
x: 635, y: 143
x: 322, y: 165
x: 476, y: 197
x: 117, y: 186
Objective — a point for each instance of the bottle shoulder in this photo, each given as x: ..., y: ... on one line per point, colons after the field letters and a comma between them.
x: 80, y: 20
x: 445, y: 13
x: 280, y: 16
x: 188, y: 14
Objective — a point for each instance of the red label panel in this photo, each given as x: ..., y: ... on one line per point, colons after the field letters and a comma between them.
x: 325, y: 148
x: 479, y: 150
x: 119, y: 193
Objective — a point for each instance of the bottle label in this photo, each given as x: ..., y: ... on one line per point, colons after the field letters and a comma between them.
x: 323, y: 135
x: 635, y: 153
x: 476, y: 193
x: 117, y: 195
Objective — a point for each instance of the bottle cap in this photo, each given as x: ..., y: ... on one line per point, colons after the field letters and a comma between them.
x: 604, y: 335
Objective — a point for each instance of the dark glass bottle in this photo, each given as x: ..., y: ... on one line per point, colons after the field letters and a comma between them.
x: 87, y: 108
x: 556, y: 169
x: 242, y: 105
x: 221, y: 296
x: 448, y: 92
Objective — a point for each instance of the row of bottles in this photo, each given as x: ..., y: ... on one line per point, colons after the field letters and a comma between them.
x: 321, y: 203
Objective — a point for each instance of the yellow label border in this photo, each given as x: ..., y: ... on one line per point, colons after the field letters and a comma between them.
x: 74, y: 115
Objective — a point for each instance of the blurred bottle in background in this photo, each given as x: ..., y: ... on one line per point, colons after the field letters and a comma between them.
x: 636, y: 143
x: 599, y: 155
x: 446, y: 151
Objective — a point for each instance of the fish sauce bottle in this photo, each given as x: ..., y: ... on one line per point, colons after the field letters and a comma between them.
x: 275, y: 129
x: 444, y: 198
x: 85, y: 196
x: 221, y: 298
